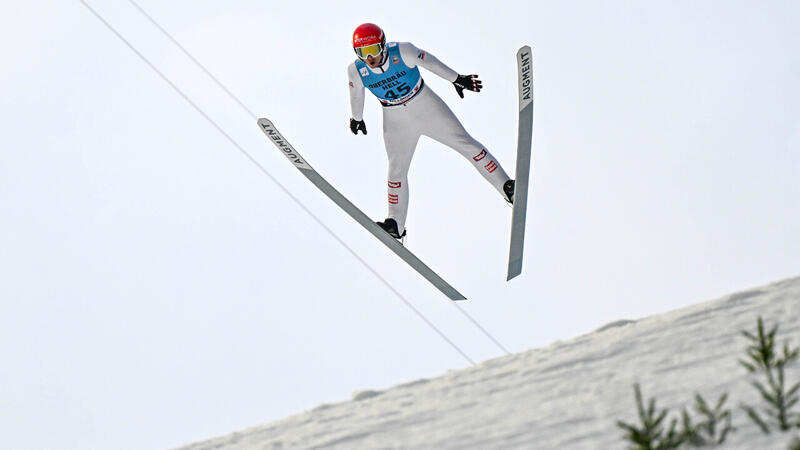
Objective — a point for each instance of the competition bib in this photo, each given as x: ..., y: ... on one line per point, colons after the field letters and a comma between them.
x: 398, y: 84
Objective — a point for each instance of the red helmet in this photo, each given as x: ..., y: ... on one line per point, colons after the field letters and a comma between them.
x: 368, y: 39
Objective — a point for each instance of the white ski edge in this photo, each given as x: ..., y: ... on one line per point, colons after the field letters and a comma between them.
x: 524, y: 142
x: 283, y: 145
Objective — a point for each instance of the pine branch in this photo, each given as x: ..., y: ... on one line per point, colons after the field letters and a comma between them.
x: 649, y: 434
x: 691, y: 431
x: 793, y: 391
x: 750, y: 368
x: 705, y: 432
x: 756, y: 418
x: 764, y: 359
x: 673, y: 439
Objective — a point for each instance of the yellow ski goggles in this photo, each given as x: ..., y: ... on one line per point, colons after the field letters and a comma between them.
x: 370, y: 50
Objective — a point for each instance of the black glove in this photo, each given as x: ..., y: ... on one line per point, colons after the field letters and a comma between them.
x: 356, y: 125
x: 468, y: 82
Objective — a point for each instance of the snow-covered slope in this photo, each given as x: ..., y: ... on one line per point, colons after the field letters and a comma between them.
x: 566, y: 396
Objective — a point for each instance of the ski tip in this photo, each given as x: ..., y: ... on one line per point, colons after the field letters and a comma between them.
x: 524, y: 49
x: 262, y: 121
x: 514, y: 269
x: 452, y: 293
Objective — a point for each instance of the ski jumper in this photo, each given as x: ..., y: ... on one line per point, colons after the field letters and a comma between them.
x: 410, y: 110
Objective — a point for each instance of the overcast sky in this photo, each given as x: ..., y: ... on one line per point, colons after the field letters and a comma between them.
x: 156, y: 288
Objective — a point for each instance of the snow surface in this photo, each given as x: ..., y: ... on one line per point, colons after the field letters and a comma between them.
x: 566, y: 396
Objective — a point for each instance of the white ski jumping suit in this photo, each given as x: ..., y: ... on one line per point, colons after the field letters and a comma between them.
x: 411, y: 110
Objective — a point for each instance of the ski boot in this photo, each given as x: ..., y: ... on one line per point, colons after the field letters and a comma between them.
x: 508, y: 189
x: 390, y: 226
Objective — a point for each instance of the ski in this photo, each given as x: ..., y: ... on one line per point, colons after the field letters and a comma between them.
x: 314, y: 177
x: 524, y: 141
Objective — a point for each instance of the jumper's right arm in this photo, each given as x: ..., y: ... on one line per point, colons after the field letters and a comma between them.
x: 356, y: 92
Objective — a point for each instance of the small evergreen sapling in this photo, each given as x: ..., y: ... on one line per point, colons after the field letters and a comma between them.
x: 714, y: 427
x: 650, y: 434
x: 763, y: 358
